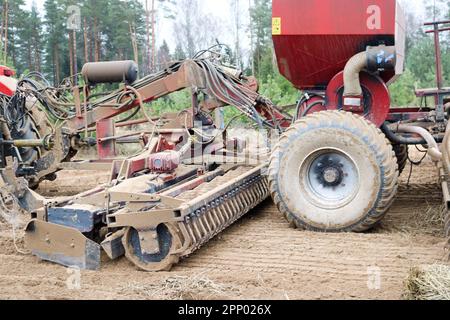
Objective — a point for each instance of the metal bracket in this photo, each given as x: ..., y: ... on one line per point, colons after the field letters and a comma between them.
x: 149, y: 241
x: 141, y: 220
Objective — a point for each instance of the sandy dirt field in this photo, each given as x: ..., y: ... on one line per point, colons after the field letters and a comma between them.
x: 260, y: 257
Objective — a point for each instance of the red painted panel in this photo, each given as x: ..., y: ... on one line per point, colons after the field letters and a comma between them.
x: 106, y: 149
x: 8, y: 85
x: 334, y: 17
x: 314, y: 39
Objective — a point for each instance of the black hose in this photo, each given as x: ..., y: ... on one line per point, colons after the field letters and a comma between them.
x: 398, y: 139
x: 311, y: 106
x: 130, y: 116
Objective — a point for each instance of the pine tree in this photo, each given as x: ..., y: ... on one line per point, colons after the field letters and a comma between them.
x: 163, y: 56
x: 179, y: 53
x: 260, y: 23
x: 16, y: 24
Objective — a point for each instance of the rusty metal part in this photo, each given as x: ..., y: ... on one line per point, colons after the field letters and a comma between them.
x: 158, y: 239
x: 110, y: 72
x: 153, y: 230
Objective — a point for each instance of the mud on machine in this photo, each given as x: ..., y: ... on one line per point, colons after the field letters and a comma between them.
x: 334, y: 169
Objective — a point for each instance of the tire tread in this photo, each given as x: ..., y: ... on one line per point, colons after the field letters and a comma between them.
x: 371, y: 133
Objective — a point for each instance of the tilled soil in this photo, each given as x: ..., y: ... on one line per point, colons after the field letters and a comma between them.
x: 260, y: 257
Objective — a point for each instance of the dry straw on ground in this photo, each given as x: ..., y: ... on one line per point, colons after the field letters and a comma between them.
x: 196, y: 287
x: 429, y: 283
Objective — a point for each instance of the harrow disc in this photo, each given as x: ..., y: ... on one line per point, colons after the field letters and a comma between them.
x: 162, y: 261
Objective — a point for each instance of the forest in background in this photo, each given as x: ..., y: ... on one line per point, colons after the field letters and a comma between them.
x: 117, y: 30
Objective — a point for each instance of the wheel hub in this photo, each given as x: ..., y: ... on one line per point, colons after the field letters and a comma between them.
x: 330, y: 172
x: 332, y: 176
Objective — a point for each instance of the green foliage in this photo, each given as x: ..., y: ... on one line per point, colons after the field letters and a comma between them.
x: 280, y: 91
x: 402, y: 91
x: 261, y: 31
x: 176, y: 102
x: 41, y: 42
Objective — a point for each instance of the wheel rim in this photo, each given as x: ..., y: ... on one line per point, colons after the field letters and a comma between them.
x: 330, y: 178
x: 165, y: 243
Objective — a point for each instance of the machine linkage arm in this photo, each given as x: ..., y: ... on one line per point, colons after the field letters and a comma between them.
x: 221, y: 87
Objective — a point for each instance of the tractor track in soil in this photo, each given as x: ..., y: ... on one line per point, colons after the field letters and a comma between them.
x: 259, y: 257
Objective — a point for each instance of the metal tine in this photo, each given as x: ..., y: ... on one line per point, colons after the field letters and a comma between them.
x: 247, y: 201
x: 259, y: 187
x: 240, y: 201
x: 217, y: 220
x: 224, y: 214
x: 206, y: 222
x: 234, y: 213
x: 220, y: 213
x: 210, y: 217
x: 258, y: 190
x: 255, y: 190
x: 190, y: 229
x: 236, y: 209
x: 235, y: 200
x: 253, y: 194
x: 223, y: 210
x: 227, y: 208
x: 196, y: 229
x: 266, y: 185
x: 202, y: 227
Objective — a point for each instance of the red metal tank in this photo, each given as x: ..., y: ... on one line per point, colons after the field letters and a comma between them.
x: 8, y: 84
x: 314, y: 39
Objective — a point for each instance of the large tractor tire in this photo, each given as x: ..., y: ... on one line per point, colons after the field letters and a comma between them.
x: 333, y: 171
x: 401, y: 152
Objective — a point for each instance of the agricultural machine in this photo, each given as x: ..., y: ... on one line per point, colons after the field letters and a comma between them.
x: 335, y: 167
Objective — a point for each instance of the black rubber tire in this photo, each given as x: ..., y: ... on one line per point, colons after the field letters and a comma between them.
x: 371, y: 153
x: 401, y: 152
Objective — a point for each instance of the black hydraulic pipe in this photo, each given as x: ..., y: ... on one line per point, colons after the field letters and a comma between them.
x: 398, y: 139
